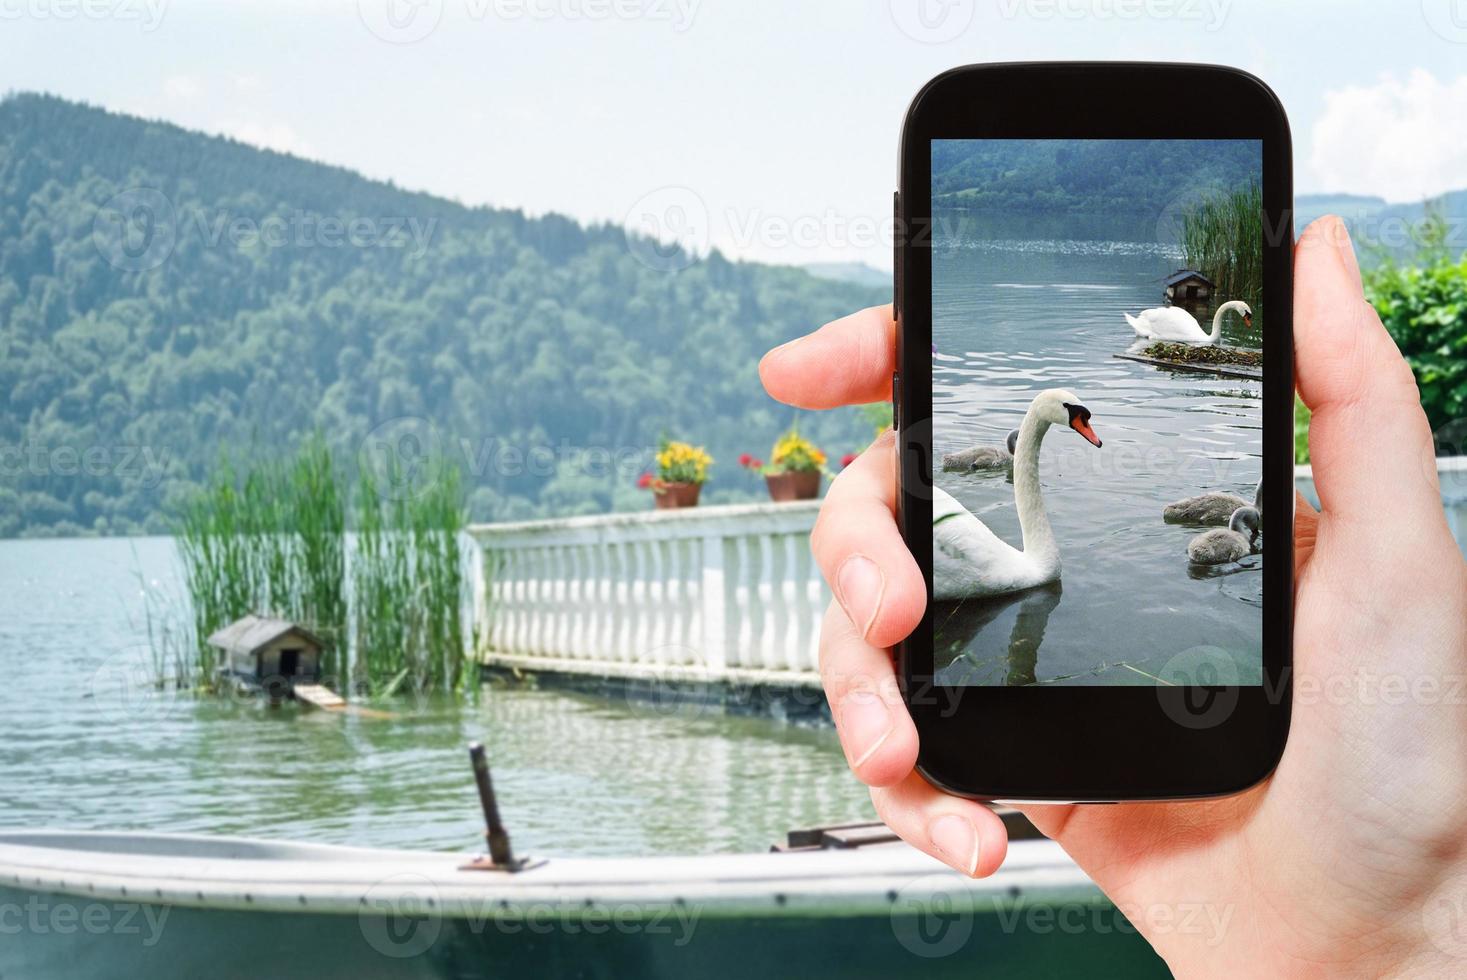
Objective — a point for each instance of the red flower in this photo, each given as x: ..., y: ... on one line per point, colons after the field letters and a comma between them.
x: 745, y: 459
x: 848, y: 459
x: 644, y: 482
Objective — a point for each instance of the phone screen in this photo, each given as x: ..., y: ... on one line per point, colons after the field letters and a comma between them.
x: 1097, y: 318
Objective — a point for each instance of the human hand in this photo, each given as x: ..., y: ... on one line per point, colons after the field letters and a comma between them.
x: 1331, y: 864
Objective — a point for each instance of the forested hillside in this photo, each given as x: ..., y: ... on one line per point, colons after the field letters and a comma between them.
x: 166, y: 297
x: 1130, y: 177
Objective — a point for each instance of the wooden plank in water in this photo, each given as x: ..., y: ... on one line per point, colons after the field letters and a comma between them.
x: 1226, y: 370
x: 320, y: 697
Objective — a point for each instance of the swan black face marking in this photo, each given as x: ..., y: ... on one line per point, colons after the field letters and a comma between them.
x: 1080, y: 422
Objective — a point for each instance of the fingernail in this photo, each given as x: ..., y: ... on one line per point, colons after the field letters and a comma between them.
x: 957, y: 841
x: 865, y: 722
x: 859, y: 585
x: 1346, y: 250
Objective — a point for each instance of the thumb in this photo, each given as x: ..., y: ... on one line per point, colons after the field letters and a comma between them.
x: 1369, y: 441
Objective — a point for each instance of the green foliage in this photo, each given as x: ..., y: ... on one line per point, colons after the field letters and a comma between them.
x: 1119, y: 177
x: 275, y: 542
x: 1425, y: 310
x: 1222, y: 237
x: 1301, y: 431
x: 538, y: 355
x: 270, y: 544
x: 408, y: 581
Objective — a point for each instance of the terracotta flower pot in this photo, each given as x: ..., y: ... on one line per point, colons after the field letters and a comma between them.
x: 675, y: 495
x: 800, y: 485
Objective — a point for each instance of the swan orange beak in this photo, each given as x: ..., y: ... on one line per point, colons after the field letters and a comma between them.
x: 1082, y: 426
x: 1247, y: 319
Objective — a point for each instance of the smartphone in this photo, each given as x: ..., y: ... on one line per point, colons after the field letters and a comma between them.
x: 1094, y: 407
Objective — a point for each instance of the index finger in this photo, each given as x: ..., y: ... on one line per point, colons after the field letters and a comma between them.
x: 846, y: 362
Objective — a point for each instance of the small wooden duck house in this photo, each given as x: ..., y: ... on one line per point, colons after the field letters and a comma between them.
x: 273, y: 654
x: 1190, y: 290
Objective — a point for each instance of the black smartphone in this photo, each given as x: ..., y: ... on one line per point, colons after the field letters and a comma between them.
x: 1094, y: 407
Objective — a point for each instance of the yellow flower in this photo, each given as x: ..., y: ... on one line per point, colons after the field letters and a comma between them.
x: 794, y: 453
x: 679, y: 462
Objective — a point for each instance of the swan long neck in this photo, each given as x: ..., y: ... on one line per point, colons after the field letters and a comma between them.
x: 1039, y: 540
x: 1217, y: 319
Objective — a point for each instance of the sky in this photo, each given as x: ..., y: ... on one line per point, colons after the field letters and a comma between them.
x: 765, y: 128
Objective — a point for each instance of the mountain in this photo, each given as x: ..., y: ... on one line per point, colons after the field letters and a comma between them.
x: 854, y: 272
x: 1381, y: 229
x: 1110, y: 177
x: 168, y: 297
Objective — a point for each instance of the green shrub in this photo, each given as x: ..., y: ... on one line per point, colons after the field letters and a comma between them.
x: 1424, y: 308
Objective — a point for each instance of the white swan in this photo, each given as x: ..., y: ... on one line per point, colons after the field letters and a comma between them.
x: 982, y: 457
x: 1176, y: 324
x: 1210, y: 509
x: 1222, y: 545
x: 970, y: 560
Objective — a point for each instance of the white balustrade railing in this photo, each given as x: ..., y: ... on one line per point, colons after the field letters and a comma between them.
x: 726, y: 593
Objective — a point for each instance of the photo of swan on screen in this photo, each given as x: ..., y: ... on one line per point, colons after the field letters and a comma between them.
x: 1097, y: 366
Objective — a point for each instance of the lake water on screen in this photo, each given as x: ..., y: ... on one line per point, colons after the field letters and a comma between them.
x: 1014, y: 314
x: 85, y: 744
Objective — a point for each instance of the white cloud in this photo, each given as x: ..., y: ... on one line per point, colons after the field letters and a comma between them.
x: 1403, y: 140
x: 183, y: 88
x: 267, y: 136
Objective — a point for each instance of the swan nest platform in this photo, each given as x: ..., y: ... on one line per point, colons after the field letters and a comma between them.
x: 1229, y: 362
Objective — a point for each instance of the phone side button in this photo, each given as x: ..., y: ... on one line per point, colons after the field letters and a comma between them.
x: 896, y: 401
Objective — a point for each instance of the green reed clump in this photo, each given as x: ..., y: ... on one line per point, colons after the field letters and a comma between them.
x: 273, y: 544
x: 409, y: 587
x: 1222, y: 237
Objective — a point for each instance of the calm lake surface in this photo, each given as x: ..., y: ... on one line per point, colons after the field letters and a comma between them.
x: 1017, y: 309
x: 85, y: 744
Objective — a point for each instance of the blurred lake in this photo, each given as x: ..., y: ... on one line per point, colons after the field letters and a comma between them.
x: 85, y: 743
x: 1020, y: 306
